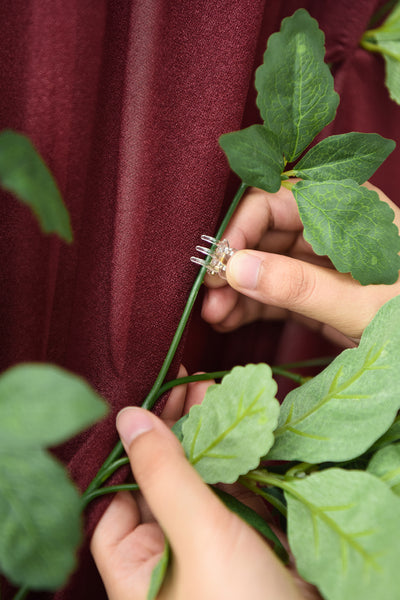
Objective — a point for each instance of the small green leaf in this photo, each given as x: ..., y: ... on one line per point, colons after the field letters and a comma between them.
x: 255, y: 155
x: 23, y: 173
x: 295, y: 87
x: 252, y: 518
x: 43, y: 405
x: 385, y: 464
x: 349, y: 223
x: 351, y: 155
x: 226, y: 435
x: 40, y: 519
x: 342, y: 411
x: 344, y: 531
x: 158, y: 573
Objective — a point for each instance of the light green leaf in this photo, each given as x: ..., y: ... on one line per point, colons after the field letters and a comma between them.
x: 40, y: 519
x: 43, y: 405
x: 344, y: 531
x: 350, y: 155
x: 23, y: 173
x: 158, y: 573
x: 226, y: 435
x: 392, y: 79
x: 385, y: 464
x: 349, y: 223
x: 295, y: 87
x: 255, y: 155
x: 252, y: 518
x: 342, y: 411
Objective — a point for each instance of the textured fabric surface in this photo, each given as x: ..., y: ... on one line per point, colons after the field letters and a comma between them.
x: 125, y: 101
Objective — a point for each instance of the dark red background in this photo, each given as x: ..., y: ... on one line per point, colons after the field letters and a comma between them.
x: 126, y: 100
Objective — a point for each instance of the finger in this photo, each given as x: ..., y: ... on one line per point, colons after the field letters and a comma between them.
x: 258, y: 214
x: 313, y: 291
x: 186, y: 512
x: 119, y: 519
x: 196, y: 393
x: 218, y: 304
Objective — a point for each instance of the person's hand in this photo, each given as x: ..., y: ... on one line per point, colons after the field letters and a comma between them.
x: 279, y: 276
x: 215, y: 555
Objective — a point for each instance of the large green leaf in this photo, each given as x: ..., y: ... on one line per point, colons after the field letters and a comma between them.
x: 226, y: 435
x: 255, y: 155
x: 349, y: 223
x: 344, y: 531
x: 40, y: 519
x: 385, y: 464
x: 23, y: 172
x: 295, y: 87
x: 43, y: 405
x: 342, y: 411
x: 350, y: 155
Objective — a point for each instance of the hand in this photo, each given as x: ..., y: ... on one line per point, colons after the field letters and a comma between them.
x: 281, y: 277
x: 215, y: 554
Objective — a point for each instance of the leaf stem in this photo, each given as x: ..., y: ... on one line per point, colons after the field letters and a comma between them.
x: 111, y: 489
x: 374, y: 47
x: 252, y: 486
x: 21, y: 593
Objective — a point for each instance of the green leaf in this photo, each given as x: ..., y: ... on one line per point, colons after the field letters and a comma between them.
x: 295, y: 87
x: 342, y: 411
x: 392, y: 79
x: 344, y: 531
x: 40, y: 519
x: 158, y: 573
x: 351, y: 155
x: 385, y: 464
x: 177, y: 427
x: 255, y: 155
x: 43, y: 405
x: 23, y: 173
x: 349, y: 223
x: 226, y: 435
x: 252, y: 518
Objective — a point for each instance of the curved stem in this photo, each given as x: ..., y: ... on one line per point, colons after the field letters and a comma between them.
x: 154, y: 394
x: 111, y: 489
x: 21, y: 593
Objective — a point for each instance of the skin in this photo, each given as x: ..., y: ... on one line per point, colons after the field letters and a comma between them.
x: 215, y: 554
x: 292, y: 281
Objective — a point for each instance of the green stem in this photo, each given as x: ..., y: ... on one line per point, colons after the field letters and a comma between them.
x: 153, y: 395
x: 21, y: 593
x: 372, y: 47
x: 111, y: 489
x: 252, y: 486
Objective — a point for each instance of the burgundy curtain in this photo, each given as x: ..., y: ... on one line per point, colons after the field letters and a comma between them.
x: 126, y: 100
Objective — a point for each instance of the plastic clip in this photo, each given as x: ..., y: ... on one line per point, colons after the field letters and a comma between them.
x: 219, y: 253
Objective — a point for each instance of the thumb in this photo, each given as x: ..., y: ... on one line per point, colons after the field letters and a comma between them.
x: 313, y: 291
x: 186, y: 509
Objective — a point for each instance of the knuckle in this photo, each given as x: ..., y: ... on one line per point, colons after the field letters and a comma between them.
x: 290, y: 286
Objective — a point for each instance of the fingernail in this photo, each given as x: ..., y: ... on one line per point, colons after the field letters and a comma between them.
x: 131, y: 423
x: 244, y: 267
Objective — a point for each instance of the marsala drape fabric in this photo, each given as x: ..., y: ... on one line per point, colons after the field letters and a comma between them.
x: 125, y: 100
